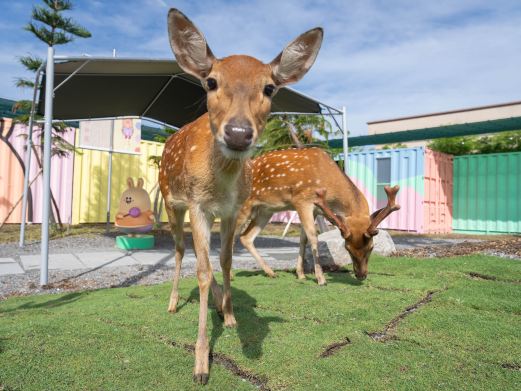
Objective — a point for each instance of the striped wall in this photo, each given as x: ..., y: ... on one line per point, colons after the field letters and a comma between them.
x: 487, y: 193
x: 91, y: 180
x: 12, y: 152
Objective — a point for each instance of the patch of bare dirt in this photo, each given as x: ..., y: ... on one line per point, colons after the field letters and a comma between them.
x: 335, y: 347
x: 479, y: 276
x: 384, y: 335
x: 509, y: 247
x: 229, y: 364
x: 511, y: 366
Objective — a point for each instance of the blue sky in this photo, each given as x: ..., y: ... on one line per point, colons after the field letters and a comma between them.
x: 380, y: 58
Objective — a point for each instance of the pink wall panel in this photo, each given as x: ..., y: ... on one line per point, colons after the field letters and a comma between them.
x: 12, y: 151
x: 62, y: 169
x: 284, y: 217
x: 11, y: 174
x: 437, y: 204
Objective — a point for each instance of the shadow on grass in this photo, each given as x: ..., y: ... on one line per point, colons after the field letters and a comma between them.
x: 336, y: 277
x: 252, y: 328
x: 57, y: 302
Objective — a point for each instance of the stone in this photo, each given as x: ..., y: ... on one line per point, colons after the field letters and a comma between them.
x: 332, y: 252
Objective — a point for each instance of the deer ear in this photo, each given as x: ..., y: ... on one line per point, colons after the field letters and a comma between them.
x: 130, y: 183
x: 140, y: 183
x: 189, y: 45
x: 297, y: 58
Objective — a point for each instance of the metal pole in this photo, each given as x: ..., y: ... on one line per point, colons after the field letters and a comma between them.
x: 346, y: 145
x: 46, y: 204
x: 28, y: 157
x: 109, y: 180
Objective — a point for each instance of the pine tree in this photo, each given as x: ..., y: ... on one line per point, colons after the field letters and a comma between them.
x: 52, y: 28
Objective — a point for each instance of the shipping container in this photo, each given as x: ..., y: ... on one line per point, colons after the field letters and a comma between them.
x: 487, y: 193
x: 425, y: 179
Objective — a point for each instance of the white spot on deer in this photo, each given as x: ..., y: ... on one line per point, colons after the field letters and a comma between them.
x: 273, y: 169
x: 193, y: 148
x: 299, y: 183
x: 317, y: 181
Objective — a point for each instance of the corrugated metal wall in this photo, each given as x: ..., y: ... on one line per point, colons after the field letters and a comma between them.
x: 487, y: 193
x: 437, y: 195
x: 12, y: 175
x: 406, y: 170
x: 425, y: 179
x: 91, y: 180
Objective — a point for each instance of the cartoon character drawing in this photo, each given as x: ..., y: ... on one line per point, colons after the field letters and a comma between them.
x: 135, y: 211
x: 127, y: 129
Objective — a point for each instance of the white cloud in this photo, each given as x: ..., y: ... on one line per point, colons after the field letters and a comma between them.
x: 381, y: 59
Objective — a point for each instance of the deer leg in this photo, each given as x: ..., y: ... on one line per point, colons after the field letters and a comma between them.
x: 308, y: 224
x: 176, y: 219
x: 227, y: 239
x: 249, y: 235
x: 216, y: 290
x: 201, y: 234
x: 302, y: 254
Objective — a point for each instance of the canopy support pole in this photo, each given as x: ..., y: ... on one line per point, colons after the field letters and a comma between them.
x: 345, y: 140
x: 28, y: 152
x: 71, y: 75
x: 46, y: 199
x: 109, y: 180
x: 158, y: 95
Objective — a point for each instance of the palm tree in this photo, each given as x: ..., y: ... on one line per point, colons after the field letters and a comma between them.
x: 286, y: 130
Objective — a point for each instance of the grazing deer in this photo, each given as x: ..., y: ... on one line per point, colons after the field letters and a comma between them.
x: 297, y: 179
x: 205, y: 168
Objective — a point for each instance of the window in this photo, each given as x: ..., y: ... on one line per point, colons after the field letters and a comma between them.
x: 383, y: 178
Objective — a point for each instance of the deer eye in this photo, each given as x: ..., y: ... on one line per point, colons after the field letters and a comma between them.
x: 269, y: 89
x: 211, y: 84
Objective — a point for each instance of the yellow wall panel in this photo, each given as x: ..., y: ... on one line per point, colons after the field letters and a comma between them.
x: 91, y: 180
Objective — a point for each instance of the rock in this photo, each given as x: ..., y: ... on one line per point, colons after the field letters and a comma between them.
x: 333, y: 254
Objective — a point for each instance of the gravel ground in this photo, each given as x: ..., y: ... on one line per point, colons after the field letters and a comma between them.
x: 109, y: 277
x: 73, y: 280
x: 509, y: 247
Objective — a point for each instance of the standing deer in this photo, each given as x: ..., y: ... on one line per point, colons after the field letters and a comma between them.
x: 297, y: 179
x: 205, y: 168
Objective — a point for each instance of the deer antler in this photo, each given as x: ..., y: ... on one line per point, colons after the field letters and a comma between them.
x: 378, y: 216
x: 330, y: 215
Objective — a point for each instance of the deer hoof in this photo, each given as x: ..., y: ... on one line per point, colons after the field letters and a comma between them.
x: 301, y: 276
x: 230, y: 322
x: 201, y: 378
x: 272, y: 275
x: 172, y: 309
x: 322, y: 283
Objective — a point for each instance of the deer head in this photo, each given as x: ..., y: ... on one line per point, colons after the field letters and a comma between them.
x: 358, y: 230
x: 239, y: 88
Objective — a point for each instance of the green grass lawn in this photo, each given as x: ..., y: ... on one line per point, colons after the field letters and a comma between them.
x: 467, y: 337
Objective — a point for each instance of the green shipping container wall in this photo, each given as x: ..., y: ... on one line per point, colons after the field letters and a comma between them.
x: 487, y: 193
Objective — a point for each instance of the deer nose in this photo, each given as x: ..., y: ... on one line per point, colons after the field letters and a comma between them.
x: 238, y: 138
